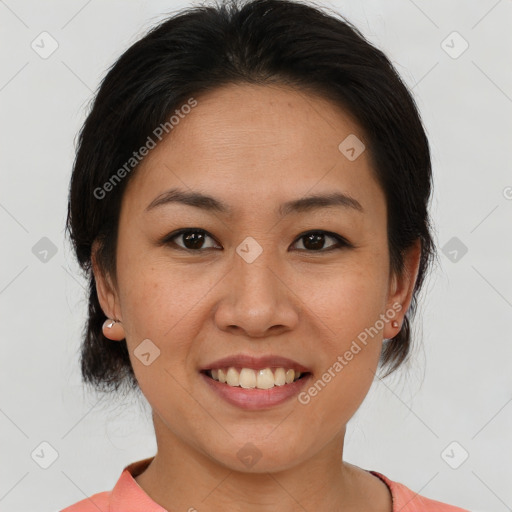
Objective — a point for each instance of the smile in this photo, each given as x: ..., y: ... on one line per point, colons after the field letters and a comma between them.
x: 248, y: 378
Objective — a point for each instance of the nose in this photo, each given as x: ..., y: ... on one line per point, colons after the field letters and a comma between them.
x: 256, y: 299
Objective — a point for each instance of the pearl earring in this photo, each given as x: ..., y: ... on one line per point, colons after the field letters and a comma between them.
x: 395, y: 323
x: 113, y: 330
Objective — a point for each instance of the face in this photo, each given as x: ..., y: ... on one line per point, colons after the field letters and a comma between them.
x: 254, y: 277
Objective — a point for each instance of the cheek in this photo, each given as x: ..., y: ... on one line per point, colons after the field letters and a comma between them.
x: 158, y: 306
x: 162, y: 302
x: 349, y: 358
x: 348, y: 299
x: 350, y: 311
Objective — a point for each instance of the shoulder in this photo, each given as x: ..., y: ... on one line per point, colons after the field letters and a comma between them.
x: 126, y: 495
x: 95, y: 503
x: 406, y: 500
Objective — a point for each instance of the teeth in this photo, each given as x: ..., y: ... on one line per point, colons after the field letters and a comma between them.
x: 265, y: 378
x: 232, y: 377
x: 248, y: 378
x: 280, y: 377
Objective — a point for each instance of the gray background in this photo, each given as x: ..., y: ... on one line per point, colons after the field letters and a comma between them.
x: 459, y: 385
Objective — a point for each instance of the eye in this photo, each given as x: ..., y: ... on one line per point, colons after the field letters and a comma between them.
x: 193, y: 239
x: 313, y: 241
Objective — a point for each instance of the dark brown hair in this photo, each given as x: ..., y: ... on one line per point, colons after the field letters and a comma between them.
x: 261, y: 41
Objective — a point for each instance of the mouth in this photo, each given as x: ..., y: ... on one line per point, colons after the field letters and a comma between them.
x: 250, y: 378
x: 251, y: 372
x: 255, y: 389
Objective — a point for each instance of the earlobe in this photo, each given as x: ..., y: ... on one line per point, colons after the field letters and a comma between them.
x: 401, y: 290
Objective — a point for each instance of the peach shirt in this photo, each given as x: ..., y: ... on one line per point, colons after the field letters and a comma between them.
x: 128, y: 496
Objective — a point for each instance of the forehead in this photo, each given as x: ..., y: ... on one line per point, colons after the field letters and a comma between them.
x: 282, y: 120
x: 250, y: 142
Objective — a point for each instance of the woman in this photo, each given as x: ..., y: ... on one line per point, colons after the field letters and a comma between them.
x: 250, y: 202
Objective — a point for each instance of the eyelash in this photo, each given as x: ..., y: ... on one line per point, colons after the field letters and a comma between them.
x: 342, y: 242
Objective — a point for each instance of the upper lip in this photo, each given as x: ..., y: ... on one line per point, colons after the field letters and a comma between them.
x: 256, y: 363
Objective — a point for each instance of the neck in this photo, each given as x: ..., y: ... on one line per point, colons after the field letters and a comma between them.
x: 183, y: 478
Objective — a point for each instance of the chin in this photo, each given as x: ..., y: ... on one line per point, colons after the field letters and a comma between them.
x: 259, y: 457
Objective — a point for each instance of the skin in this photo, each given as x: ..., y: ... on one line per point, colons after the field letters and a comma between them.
x: 255, y: 147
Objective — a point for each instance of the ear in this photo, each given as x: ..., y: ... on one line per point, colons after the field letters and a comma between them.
x: 401, y: 289
x: 107, y: 292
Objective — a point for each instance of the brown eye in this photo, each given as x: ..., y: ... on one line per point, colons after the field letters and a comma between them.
x: 315, y: 240
x: 192, y: 239
x: 195, y: 239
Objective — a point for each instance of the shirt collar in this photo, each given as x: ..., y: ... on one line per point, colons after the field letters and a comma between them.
x: 128, y: 495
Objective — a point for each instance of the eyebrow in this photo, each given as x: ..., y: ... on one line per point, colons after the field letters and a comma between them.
x: 208, y: 203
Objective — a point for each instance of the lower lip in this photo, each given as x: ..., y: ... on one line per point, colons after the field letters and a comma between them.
x: 256, y: 399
